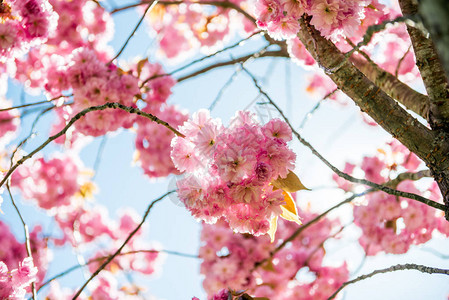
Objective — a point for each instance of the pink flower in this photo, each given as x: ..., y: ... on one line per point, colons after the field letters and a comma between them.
x: 373, y: 167
x: 8, y: 35
x: 277, y: 129
x: 234, y: 164
x: 295, y: 8
x: 183, y: 155
x: 284, y: 28
x: 299, y: 53
x: 26, y: 273
x: 267, y: 10
x: 324, y: 13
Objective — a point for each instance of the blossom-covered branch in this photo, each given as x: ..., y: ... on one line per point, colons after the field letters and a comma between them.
x: 432, y: 72
x: 113, y: 105
x: 308, y: 224
x: 431, y: 148
x: 348, y: 177
x: 27, y: 236
x: 224, y: 4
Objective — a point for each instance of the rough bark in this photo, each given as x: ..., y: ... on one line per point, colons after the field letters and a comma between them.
x: 395, y: 88
x: 431, y: 69
x: 430, y: 146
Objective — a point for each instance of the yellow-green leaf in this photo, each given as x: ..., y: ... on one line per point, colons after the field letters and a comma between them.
x: 269, y: 266
x: 273, y: 226
x: 290, y: 184
x: 289, y: 211
x: 140, y: 65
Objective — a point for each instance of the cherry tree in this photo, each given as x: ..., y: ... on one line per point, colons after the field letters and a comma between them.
x: 265, y: 234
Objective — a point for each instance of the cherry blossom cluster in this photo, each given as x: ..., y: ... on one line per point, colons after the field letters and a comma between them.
x: 51, y: 183
x: 105, y: 286
x: 229, y: 260
x: 59, y: 186
x: 331, y: 17
x: 81, y: 24
x: 145, y: 257
x: 194, y: 26
x: 14, y: 253
x: 393, y: 224
x: 13, y: 283
x: 90, y: 224
x: 230, y: 169
x: 389, y: 223
x: 95, y: 83
x: 24, y: 23
x: 93, y: 225
x: 152, y: 140
x: 390, y: 48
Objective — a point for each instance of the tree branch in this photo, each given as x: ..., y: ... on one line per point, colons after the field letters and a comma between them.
x: 278, y: 53
x: 421, y: 268
x: 151, y: 4
x: 27, y: 237
x: 395, y: 88
x: 408, y: 176
x: 432, y: 72
x: 434, y: 14
x: 200, y: 59
x: 113, y: 105
x: 430, y: 146
x: 224, y: 4
x: 307, y: 225
x: 110, y: 258
x: 348, y: 177
x: 35, y: 103
x: 369, y: 97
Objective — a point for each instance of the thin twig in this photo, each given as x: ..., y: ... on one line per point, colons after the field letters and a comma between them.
x: 151, y: 4
x: 277, y: 53
x: 233, y: 77
x: 307, y: 225
x: 348, y: 177
x: 224, y: 87
x: 99, y: 155
x: 35, y: 103
x: 396, y: 72
x: 371, y: 30
x: 199, y: 59
x: 324, y: 241
x: 408, y: 176
x: 30, y: 134
x: 110, y: 258
x: 27, y: 236
x: 113, y: 105
x: 401, y: 267
x: 224, y: 4
x: 434, y: 252
x: 312, y: 111
x: 362, y: 263
x: 97, y: 259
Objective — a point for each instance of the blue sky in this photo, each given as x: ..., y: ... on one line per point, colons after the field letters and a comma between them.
x: 336, y: 131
